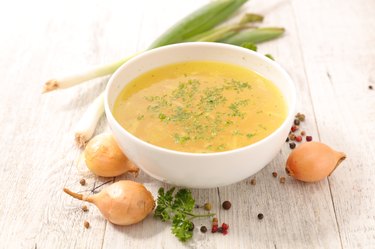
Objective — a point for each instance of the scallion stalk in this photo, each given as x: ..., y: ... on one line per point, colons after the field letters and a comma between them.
x: 254, y: 36
x: 87, y: 124
x: 199, y: 21
x: 218, y: 33
x: 72, y: 80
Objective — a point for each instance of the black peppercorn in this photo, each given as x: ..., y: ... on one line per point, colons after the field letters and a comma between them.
x: 260, y: 216
x: 203, y: 229
x: 226, y: 205
x: 292, y: 145
x: 296, y: 121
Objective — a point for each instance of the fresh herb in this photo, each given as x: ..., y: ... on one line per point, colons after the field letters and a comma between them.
x: 140, y: 117
x: 181, y: 139
x: 177, y: 208
x: 195, y: 109
x: 250, y: 135
x: 235, y: 108
x: 162, y: 116
x: 221, y: 147
x: 237, y: 85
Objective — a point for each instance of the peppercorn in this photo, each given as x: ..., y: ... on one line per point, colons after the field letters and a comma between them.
x: 207, y: 206
x: 191, y: 228
x: 82, y: 181
x: 274, y: 174
x: 215, y: 220
x: 225, y: 226
x: 84, y: 208
x: 370, y: 87
x: 225, y: 232
x: 300, y: 117
x: 253, y: 181
x: 296, y: 122
x: 292, y: 136
x: 299, y: 139
x: 260, y: 216
x: 214, y: 228
x: 294, y: 128
x: 227, y: 205
x: 287, y: 139
x: 303, y: 133
x: 197, y: 206
x: 86, y: 224
x: 220, y: 230
x: 292, y: 145
x: 282, y: 179
x: 308, y: 138
x: 203, y: 229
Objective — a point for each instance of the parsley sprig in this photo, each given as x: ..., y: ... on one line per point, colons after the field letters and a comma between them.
x: 178, y: 208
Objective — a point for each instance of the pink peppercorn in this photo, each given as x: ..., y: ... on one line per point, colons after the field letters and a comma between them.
x: 225, y: 226
x: 308, y: 138
x: 294, y: 128
x: 214, y: 228
x: 298, y: 138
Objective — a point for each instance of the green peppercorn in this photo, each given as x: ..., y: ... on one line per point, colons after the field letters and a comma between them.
x: 207, y: 206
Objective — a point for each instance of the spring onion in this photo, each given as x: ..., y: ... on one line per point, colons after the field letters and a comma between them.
x: 254, y: 36
x: 201, y: 20
x: 87, y: 124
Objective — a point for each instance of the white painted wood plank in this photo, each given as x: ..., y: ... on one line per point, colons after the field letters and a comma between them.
x: 338, y: 47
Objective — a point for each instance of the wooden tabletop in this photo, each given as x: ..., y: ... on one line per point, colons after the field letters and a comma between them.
x: 329, y: 51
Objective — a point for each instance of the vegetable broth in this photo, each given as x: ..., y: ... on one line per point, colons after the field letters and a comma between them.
x: 200, y: 107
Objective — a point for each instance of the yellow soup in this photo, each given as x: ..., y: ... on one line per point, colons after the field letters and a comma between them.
x: 200, y: 106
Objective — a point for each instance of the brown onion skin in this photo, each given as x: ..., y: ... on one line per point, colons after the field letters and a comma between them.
x: 104, y: 157
x: 313, y: 161
x: 122, y: 203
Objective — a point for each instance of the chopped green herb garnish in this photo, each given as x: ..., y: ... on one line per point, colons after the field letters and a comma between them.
x: 195, y: 109
x: 181, y: 139
x: 140, y: 117
x: 236, y: 85
x: 250, y: 135
x: 221, y: 147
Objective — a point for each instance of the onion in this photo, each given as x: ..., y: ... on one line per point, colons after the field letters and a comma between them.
x: 122, y: 203
x: 313, y: 161
x: 104, y: 157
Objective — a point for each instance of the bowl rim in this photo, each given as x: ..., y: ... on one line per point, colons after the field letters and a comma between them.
x: 291, y: 107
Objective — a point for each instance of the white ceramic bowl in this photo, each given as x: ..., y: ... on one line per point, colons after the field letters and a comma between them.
x: 200, y: 170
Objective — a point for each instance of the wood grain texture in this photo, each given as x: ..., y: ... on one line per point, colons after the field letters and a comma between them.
x: 328, y: 50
